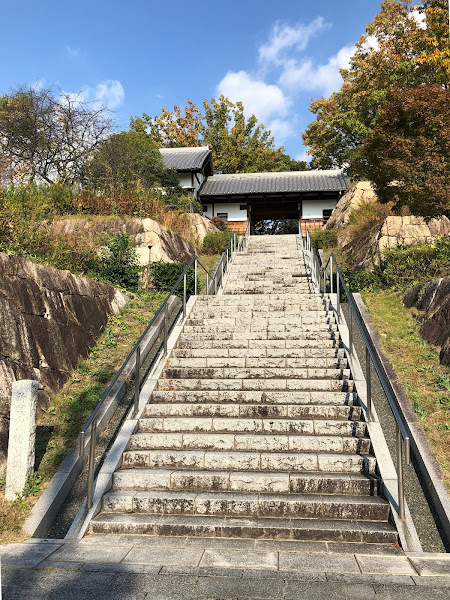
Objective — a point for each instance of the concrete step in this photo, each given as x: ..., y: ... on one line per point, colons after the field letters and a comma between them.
x: 247, y: 481
x: 252, y: 411
x: 255, y: 425
x: 259, y: 362
x: 239, y: 343
x: 326, y: 462
x: 254, y: 373
x: 294, y: 505
x: 264, y: 385
x: 240, y: 320
x: 230, y: 527
x: 292, y: 328
x: 260, y: 353
x: 250, y: 442
x: 286, y: 336
x: 289, y: 399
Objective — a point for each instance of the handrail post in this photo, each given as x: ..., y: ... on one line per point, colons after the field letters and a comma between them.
x: 166, y: 327
x: 215, y: 284
x: 331, y: 275
x: 368, y: 386
x: 221, y: 277
x: 91, y: 468
x: 184, y: 295
x: 338, y: 296
x: 195, y: 277
x: 81, y: 441
x: 137, y: 379
x: 350, y: 330
x: 401, y: 492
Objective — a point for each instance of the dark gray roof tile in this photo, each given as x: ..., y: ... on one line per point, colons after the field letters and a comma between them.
x: 271, y: 183
x: 185, y: 159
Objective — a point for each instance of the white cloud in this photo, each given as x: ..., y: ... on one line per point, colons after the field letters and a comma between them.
x: 420, y: 18
x: 258, y: 97
x: 109, y: 93
x: 282, y: 129
x: 72, y: 52
x: 305, y: 75
x: 285, y: 36
x: 371, y: 43
x: 303, y: 156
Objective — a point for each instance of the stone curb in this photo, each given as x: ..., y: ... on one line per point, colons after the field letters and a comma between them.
x: 427, y: 463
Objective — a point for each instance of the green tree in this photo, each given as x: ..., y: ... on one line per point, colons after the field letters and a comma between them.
x: 125, y: 160
x: 239, y: 144
x: 395, y: 53
x: 408, y: 153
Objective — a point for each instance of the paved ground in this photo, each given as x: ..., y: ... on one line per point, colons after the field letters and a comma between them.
x: 157, y: 568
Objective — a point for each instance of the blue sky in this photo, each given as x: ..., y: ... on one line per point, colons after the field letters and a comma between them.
x: 141, y: 56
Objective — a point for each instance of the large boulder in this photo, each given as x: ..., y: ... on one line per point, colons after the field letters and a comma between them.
x: 200, y: 226
x: 48, y: 321
x: 432, y: 307
x: 151, y: 240
x: 404, y: 231
x: 356, y: 195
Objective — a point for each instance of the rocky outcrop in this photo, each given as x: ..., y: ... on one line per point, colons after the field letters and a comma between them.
x: 432, y: 307
x: 404, y: 231
x: 151, y: 240
x: 361, y: 192
x: 200, y: 226
x: 48, y: 320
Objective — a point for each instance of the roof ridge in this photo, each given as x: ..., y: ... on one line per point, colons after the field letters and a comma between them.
x: 185, y: 149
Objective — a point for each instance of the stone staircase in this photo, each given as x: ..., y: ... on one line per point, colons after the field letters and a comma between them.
x: 254, y: 429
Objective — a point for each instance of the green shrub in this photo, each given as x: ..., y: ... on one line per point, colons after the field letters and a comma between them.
x: 405, y: 267
x: 324, y: 238
x: 215, y: 243
x: 165, y: 275
x: 119, y: 263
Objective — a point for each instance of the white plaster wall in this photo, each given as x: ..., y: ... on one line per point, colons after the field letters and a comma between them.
x: 233, y: 210
x: 185, y: 180
x: 312, y: 209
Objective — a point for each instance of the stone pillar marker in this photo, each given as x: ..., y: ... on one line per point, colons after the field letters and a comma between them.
x: 22, y: 434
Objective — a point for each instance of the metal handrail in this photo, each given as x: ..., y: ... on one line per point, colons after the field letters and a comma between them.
x: 212, y: 280
x: 319, y: 276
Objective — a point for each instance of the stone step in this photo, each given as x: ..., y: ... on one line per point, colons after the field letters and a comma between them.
x: 259, y: 362
x: 294, y: 505
x: 259, y: 353
x: 250, y: 442
x: 230, y: 527
x: 264, y: 385
x: 261, y: 425
x: 252, y: 344
x: 291, y: 400
x: 254, y: 373
x: 268, y: 330
x: 264, y: 300
x: 326, y: 462
x: 239, y: 320
x: 286, y: 336
x: 252, y: 411
x: 247, y: 481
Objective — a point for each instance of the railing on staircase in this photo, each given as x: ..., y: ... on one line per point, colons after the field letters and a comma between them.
x: 329, y: 278
x: 156, y: 334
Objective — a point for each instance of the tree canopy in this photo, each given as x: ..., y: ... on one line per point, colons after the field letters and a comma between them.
x: 46, y: 135
x: 405, y: 46
x: 240, y: 144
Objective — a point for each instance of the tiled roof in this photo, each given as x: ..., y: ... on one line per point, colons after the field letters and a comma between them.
x: 271, y: 183
x: 185, y: 159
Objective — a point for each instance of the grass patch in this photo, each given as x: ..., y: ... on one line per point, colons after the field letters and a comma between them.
x: 69, y: 409
x: 424, y: 379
